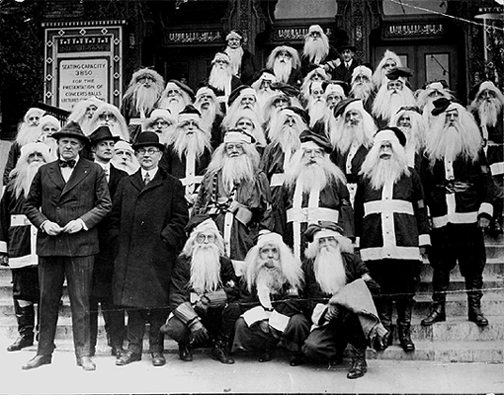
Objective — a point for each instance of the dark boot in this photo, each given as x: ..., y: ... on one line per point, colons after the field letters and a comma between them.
x: 440, y: 282
x: 185, y: 353
x: 222, y: 351
x: 437, y: 314
x: 404, y: 310
x: 384, y: 307
x: 359, y: 365
x: 26, y: 322
x: 474, y: 295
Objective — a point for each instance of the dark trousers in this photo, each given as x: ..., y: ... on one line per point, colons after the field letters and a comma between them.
x: 52, y: 272
x: 136, y: 329
x: 114, y: 321
x: 457, y: 243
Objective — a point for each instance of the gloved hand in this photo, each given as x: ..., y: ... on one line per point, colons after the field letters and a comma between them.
x: 264, y: 326
x: 199, y: 334
x: 4, y: 259
x: 201, y: 307
x: 331, y: 313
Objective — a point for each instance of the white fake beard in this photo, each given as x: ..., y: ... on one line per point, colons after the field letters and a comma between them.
x: 317, y: 110
x: 28, y: 134
x: 220, y: 79
x: 315, y: 49
x: 24, y: 177
x: 282, y: 69
x: 205, y: 268
x: 288, y: 138
x: 330, y: 270
x: 175, y: 106
x: 145, y: 98
x: 449, y: 144
x: 385, y: 170
x: 349, y: 135
x: 312, y: 176
x: 235, y: 54
x: 387, y: 102
x: 488, y: 111
x: 236, y: 170
x: 262, y: 98
x: 271, y: 279
x: 362, y: 91
x: 196, y: 142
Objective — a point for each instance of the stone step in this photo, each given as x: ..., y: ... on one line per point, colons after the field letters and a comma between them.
x: 493, y: 267
x: 492, y: 303
x: 494, y: 283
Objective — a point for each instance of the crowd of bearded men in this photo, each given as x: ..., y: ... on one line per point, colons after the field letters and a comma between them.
x: 285, y: 207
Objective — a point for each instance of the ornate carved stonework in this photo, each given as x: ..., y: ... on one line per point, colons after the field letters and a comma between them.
x: 193, y: 37
x: 396, y: 30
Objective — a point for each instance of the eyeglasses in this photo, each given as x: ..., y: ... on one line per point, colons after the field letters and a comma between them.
x: 106, y: 116
x: 161, y: 123
x: 201, y: 237
x: 314, y: 152
x: 221, y: 61
x: 150, y: 151
x: 394, y: 85
x: 328, y: 239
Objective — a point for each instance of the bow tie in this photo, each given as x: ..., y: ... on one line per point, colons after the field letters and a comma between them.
x: 69, y: 163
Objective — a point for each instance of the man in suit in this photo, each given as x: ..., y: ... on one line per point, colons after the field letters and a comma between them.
x: 67, y: 199
x: 102, y: 146
x: 147, y: 226
x: 344, y: 71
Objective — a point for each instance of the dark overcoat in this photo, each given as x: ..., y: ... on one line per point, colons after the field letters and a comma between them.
x: 147, y: 225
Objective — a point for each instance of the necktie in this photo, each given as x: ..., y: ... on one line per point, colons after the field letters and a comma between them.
x: 69, y: 163
x: 146, y: 178
x: 107, y: 174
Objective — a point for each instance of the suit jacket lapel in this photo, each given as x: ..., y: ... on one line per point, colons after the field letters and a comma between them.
x: 55, y: 175
x: 80, y: 171
x: 136, y: 180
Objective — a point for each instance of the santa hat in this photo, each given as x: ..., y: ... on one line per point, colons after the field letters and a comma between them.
x: 234, y: 34
x: 240, y: 91
x: 123, y: 145
x: 189, y: 112
x: 476, y: 91
x: 146, y: 72
x: 286, y: 89
x: 409, y: 108
x: 346, y: 105
x: 323, y: 229
x: 437, y: 85
x: 49, y: 120
x: 297, y: 111
x: 205, y: 90
x: 263, y: 75
x: 401, y: 73
x: 315, y: 28
x: 339, y: 87
x: 30, y: 148
x: 267, y: 237
x: 390, y: 133
x: 238, y: 136
x: 201, y: 223
x: 174, y: 84
x: 34, y: 111
x: 283, y: 48
x: 221, y: 56
x: 163, y: 114
x: 310, y: 140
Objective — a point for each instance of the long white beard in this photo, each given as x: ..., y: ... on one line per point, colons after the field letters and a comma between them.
x: 282, y: 69
x: 236, y: 170
x: 23, y: 178
x: 349, y: 135
x: 207, y: 118
x: 315, y: 49
x: 387, y: 103
x: 312, y: 177
x: 262, y: 98
x: 145, y: 98
x: 236, y: 55
x: 362, y: 91
x: 220, y: 79
x: 447, y: 145
x: 330, y: 270
x: 288, y: 138
x: 386, y: 170
x: 488, y: 111
x: 317, y: 110
x: 269, y: 279
x: 205, y: 268
x: 28, y: 134
x: 196, y: 142
x: 175, y: 106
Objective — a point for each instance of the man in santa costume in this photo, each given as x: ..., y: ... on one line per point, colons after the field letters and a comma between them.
x: 283, y: 96
x: 392, y: 229
x: 412, y: 124
x: 351, y: 135
x: 487, y: 110
x: 189, y: 154
x: 110, y: 116
x: 249, y: 121
x: 162, y: 123
x: 457, y: 185
x: 236, y: 194
x: 271, y: 300
x: 426, y: 96
x: 221, y: 79
x: 317, y: 74
x: 316, y: 106
x: 339, y: 302
x: 211, y: 114
x: 262, y: 85
x: 362, y: 86
x: 203, y: 287
x: 18, y: 238
x: 317, y: 52
x: 124, y: 157
x: 314, y: 190
x: 285, y: 64
x: 392, y: 95
x: 387, y: 62
x: 242, y: 61
x: 175, y: 97
x: 83, y: 112
x: 141, y: 98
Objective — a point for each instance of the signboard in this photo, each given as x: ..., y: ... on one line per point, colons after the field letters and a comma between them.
x: 80, y: 79
x: 82, y: 59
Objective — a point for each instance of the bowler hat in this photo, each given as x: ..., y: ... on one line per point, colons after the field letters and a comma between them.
x: 71, y: 129
x: 148, y: 139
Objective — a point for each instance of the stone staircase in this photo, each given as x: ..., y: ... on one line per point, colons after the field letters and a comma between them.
x: 456, y: 340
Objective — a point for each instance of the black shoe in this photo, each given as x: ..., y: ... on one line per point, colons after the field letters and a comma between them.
x: 158, y: 359
x: 220, y: 354
x: 358, y: 369
x: 117, y: 351
x: 296, y: 360
x: 36, y: 361
x: 21, y: 342
x: 127, y: 358
x: 478, y: 318
x: 267, y: 355
x: 436, y: 315
x: 86, y: 363
x: 336, y: 359
x: 185, y: 353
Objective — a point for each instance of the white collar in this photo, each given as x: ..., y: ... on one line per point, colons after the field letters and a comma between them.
x: 152, y: 172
